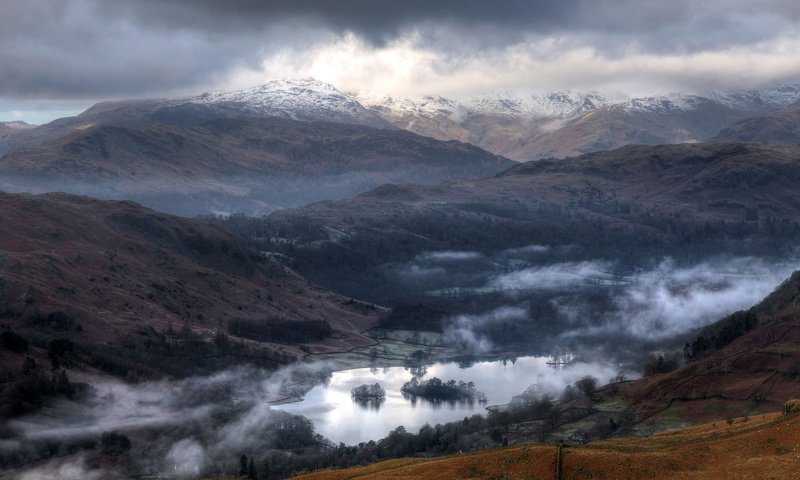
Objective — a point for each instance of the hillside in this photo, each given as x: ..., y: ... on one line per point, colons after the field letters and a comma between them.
x: 243, y: 164
x: 648, y: 121
x: 140, y: 294
x: 747, y: 362
x: 562, y: 124
x: 765, y: 446
x: 690, y: 201
x: 668, y: 178
x: 743, y: 388
x: 303, y: 100
x: 780, y: 126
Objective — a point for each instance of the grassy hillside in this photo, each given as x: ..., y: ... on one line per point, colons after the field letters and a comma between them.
x: 766, y: 446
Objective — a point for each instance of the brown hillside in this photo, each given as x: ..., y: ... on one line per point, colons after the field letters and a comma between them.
x: 118, y: 279
x: 758, y: 371
x: 766, y: 446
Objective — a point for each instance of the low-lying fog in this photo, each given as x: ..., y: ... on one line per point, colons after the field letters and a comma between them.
x: 191, y: 424
x: 588, y: 303
x: 187, y: 424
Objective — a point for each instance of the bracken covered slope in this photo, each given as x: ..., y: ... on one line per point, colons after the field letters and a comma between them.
x: 143, y: 294
x: 766, y: 446
x: 749, y: 361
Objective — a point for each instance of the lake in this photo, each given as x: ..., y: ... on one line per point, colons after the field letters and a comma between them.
x: 337, y: 417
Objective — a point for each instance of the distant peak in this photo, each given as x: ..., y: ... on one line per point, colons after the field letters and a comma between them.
x: 310, y: 83
x: 284, y: 85
x: 17, y: 124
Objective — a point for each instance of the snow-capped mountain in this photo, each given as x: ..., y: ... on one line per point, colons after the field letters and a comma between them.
x: 519, y: 126
x: 525, y: 127
x: 499, y: 103
x: 750, y: 101
x: 662, y: 104
x: 303, y: 99
x: 473, y: 119
x: 765, y: 100
x: 427, y: 105
x: 551, y: 105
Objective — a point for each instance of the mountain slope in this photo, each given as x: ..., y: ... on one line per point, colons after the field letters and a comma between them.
x: 142, y: 294
x: 698, y: 181
x: 764, y: 446
x: 521, y: 127
x: 304, y: 99
x: 649, y: 121
x: 566, y: 124
x: 756, y: 365
x: 238, y: 164
x: 780, y: 126
x: 690, y: 201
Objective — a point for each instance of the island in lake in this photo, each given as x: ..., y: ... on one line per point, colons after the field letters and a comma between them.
x: 365, y: 394
x: 437, y: 389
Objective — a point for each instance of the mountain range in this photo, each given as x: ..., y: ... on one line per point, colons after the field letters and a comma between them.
x: 566, y: 124
x: 520, y: 127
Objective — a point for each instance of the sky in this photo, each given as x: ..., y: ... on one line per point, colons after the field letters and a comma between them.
x: 61, y: 56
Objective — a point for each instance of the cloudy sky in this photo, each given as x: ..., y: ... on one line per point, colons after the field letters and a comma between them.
x: 59, y: 56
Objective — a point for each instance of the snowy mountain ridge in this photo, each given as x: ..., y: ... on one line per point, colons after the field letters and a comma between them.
x: 297, y: 99
x: 309, y: 99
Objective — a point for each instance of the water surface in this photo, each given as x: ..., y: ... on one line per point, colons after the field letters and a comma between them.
x: 337, y: 417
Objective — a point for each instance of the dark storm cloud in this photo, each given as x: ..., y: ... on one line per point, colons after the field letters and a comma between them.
x: 101, y: 48
x: 379, y: 21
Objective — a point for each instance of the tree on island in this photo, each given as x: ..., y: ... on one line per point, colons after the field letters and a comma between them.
x: 368, y: 392
x: 437, y: 389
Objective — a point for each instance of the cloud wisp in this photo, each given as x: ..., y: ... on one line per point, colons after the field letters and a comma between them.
x: 189, y: 424
x: 553, y: 276
x: 584, y: 303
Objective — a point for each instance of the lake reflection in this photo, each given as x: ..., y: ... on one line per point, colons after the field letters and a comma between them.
x: 341, y: 419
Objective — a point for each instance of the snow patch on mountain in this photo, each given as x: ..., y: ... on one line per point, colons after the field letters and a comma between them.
x: 750, y: 101
x: 663, y: 104
x: 425, y: 106
x: 759, y: 100
x: 309, y: 99
x: 552, y: 105
x: 297, y: 99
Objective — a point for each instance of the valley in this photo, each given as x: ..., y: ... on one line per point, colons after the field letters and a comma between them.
x: 522, y: 240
